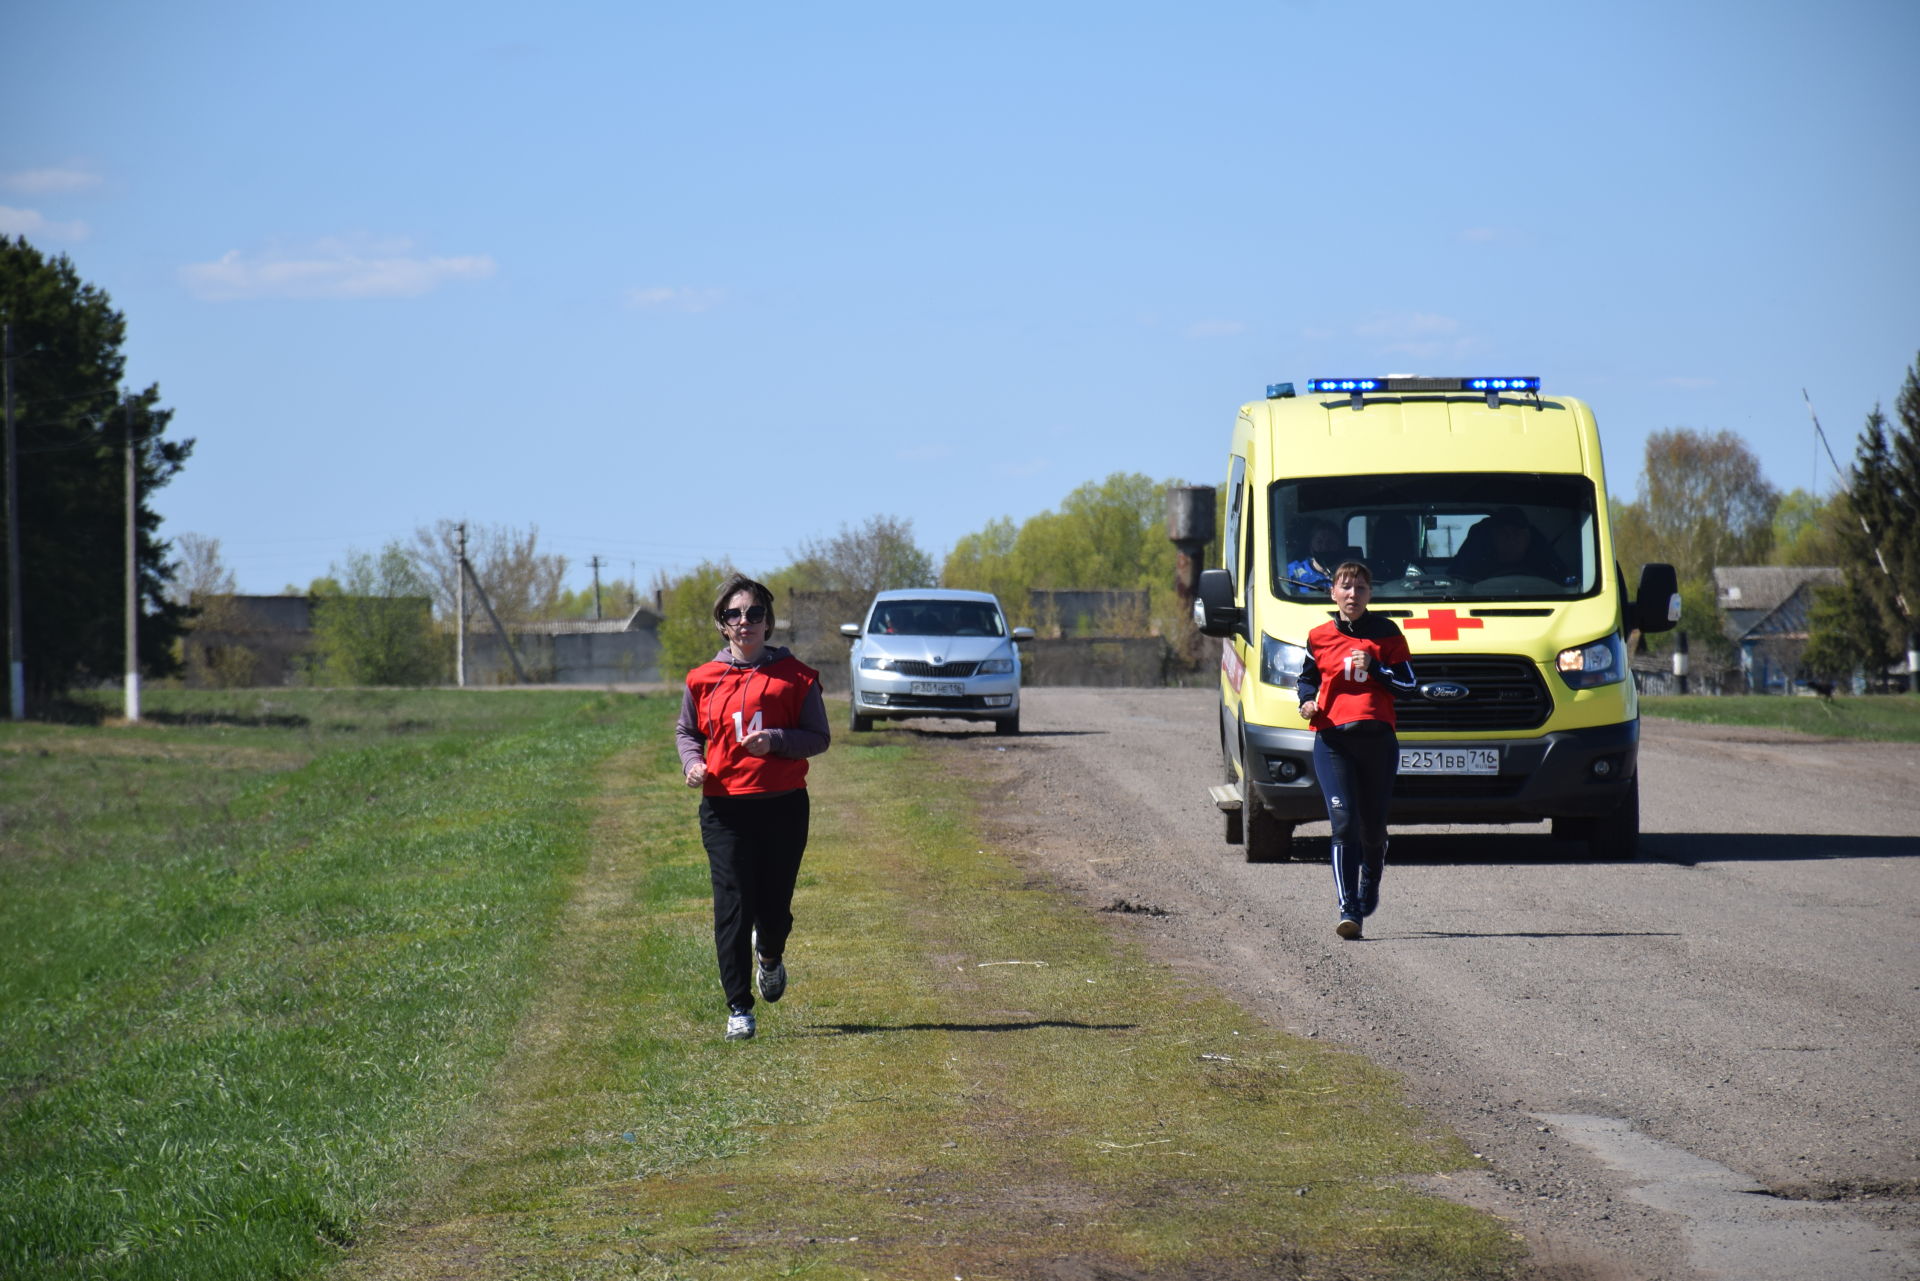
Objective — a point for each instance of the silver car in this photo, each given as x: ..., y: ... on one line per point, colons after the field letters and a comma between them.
x: 934, y: 652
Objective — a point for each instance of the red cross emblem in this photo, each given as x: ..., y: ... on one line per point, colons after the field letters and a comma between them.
x: 1443, y: 624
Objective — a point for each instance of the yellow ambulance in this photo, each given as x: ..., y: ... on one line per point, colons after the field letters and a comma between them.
x: 1480, y: 506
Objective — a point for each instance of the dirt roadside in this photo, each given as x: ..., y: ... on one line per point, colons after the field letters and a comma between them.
x: 1742, y: 996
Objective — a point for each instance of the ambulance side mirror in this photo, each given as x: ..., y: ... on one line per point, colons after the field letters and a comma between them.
x: 1656, y: 606
x: 1214, y: 612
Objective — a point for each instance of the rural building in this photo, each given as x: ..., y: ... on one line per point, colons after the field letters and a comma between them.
x: 1763, y: 609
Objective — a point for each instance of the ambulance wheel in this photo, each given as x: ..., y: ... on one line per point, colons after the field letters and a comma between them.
x: 1269, y: 837
x: 1615, y: 837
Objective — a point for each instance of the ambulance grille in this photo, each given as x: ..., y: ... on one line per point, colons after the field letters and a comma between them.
x: 1502, y: 693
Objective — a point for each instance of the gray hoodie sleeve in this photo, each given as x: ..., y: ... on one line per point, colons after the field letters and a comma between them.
x: 813, y: 735
x: 686, y: 734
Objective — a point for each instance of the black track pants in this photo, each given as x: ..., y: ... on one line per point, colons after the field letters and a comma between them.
x: 1355, y: 765
x: 754, y: 846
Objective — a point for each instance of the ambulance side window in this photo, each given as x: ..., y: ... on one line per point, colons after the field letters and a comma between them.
x: 1236, y: 478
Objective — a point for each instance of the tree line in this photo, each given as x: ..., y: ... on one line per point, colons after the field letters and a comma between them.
x: 381, y: 616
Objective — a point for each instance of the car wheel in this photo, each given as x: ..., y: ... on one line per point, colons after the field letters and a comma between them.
x: 855, y: 721
x: 1007, y: 724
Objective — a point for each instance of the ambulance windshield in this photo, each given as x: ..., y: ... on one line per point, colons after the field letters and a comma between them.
x: 1442, y: 536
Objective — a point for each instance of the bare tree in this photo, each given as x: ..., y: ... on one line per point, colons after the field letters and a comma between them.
x: 199, y: 571
x: 523, y: 583
x: 879, y: 555
x: 1703, y: 502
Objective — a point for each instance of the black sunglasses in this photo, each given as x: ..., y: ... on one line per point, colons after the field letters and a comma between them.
x: 754, y: 614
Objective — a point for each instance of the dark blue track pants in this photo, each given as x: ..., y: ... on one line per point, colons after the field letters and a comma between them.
x: 1355, y: 765
x: 754, y: 846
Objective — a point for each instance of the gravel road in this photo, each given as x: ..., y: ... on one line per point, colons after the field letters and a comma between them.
x: 1697, y: 1064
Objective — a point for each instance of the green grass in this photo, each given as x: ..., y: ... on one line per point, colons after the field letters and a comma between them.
x: 249, y: 958
x: 421, y: 985
x: 1892, y: 718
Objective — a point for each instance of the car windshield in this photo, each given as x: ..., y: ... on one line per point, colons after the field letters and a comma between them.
x: 1445, y: 536
x: 935, y: 618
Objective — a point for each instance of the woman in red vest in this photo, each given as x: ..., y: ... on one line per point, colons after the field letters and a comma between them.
x: 749, y: 720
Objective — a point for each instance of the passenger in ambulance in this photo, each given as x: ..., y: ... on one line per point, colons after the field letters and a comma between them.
x: 1506, y: 543
x: 1314, y: 571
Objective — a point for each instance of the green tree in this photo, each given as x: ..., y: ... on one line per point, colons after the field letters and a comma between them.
x: 1884, y: 497
x: 1842, y: 638
x: 984, y: 562
x: 688, y: 637
x: 70, y: 423
x: 378, y: 629
x: 1807, y: 530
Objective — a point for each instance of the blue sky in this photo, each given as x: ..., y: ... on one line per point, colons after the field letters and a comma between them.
x: 676, y: 283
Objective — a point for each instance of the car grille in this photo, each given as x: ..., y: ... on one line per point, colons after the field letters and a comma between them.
x: 1454, y: 786
x: 1503, y: 693
x: 914, y: 667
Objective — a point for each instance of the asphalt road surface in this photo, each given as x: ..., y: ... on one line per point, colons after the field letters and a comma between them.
x: 1700, y: 1063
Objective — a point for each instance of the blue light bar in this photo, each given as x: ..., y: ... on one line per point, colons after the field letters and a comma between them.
x: 1358, y: 386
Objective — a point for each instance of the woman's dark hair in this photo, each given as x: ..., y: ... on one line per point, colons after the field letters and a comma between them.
x: 762, y: 595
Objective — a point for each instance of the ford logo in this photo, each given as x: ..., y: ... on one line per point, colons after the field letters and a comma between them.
x: 1443, y: 691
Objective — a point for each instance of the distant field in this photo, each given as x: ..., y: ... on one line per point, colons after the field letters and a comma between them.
x: 1891, y: 718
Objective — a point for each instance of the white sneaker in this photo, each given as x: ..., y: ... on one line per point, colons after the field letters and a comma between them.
x: 773, y: 980
x: 1349, y: 928
x: 740, y: 1025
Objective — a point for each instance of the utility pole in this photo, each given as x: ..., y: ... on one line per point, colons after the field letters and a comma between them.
x: 595, y: 562
x: 133, y: 574
x: 487, y: 605
x: 16, y: 665
x: 460, y: 610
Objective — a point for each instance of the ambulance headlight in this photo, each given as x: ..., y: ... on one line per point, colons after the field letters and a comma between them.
x: 1280, y: 662
x: 1600, y: 662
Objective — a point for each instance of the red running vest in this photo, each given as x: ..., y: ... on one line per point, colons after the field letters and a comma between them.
x: 732, y: 702
x: 1343, y: 699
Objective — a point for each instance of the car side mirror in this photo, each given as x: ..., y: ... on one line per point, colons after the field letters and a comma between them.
x: 1656, y: 606
x: 1023, y: 633
x: 850, y: 630
x: 1214, y: 612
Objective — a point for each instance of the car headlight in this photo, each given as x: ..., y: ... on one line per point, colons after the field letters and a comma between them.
x: 1280, y: 662
x: 879, y: 664
x: 1600, y: 662
x: 996, y: 667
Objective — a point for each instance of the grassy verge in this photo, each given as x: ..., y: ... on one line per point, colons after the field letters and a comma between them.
x: 252, y: 951
x: 1893, y: 718
x: 421, y: 985
x: 969, y: 1077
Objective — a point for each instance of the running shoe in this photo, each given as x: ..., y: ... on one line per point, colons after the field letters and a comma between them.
x: 773, y: 979
x: 1349, y: 928
x: 740, y: 1025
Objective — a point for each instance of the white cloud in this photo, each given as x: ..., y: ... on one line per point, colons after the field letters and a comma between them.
x: 1216, y: 329
x: 1482, y: 235
x: 36, y: 225
x: 677, y: 297
x: 330, y: 269
x: 52, y: 181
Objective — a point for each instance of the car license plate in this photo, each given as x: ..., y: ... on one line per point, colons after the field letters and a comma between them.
x: 1449, y: 760
x: 939, y: 688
